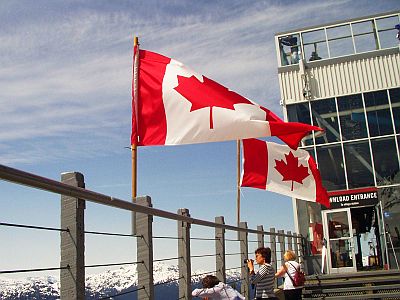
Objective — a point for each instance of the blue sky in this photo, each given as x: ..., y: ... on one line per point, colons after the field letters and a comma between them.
x: 65, y: 105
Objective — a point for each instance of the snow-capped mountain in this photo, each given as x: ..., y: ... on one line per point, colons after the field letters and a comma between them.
x: 30, y: 288
x: 120, y: 282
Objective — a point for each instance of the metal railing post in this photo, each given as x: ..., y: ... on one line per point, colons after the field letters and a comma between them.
x: 184, y: 263
x: 244, y: 254
x: 300, y: 253
x: 296, y: 246
x: 260, y: 236
x: 289, y: 241
x: 272, y: 240
x: 282, y: 247
x: 72, y: 244
x: 144, y: 232
x: 220, y: 250
x: 72, y: 280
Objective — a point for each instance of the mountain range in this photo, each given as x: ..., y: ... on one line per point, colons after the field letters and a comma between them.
x: 118, y: 284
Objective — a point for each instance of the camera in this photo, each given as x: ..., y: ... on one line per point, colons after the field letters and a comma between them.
x: 247, y: 260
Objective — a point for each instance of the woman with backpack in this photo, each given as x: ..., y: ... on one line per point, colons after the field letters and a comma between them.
x: 292, y: 273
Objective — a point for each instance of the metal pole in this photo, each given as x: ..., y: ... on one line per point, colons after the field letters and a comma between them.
x: 134, y: 145
x: 238, y: 183
x: 391, y: 244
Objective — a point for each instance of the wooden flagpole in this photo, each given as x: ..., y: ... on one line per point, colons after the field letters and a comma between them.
x: 134, y: 146
x: 238, y: 183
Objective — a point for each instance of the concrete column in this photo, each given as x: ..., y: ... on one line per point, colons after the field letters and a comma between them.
x: 260, y: 236
x: 220, y: 250
x: 144, y: 241
x: 184, y: 263
x: 72, y: 280
x: 244, y: 242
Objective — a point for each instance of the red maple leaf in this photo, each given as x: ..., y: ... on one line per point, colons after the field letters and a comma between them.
x: 291, y: 170
x: 207, y: 94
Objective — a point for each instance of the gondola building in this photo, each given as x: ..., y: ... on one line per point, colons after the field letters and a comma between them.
x: 345, y: 78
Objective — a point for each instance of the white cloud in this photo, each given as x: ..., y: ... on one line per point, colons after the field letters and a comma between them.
x: 68, y: 70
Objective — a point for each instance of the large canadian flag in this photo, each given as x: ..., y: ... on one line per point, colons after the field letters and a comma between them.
x: 176, y: 105
x: 278, y: 168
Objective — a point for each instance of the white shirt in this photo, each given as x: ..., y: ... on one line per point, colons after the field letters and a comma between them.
x: 221, y: 291
x: 291, y: 268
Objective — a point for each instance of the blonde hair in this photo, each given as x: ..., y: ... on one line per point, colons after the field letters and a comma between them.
x: 289, y: 255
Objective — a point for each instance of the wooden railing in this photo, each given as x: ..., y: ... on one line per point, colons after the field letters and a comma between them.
x: 72, y: 234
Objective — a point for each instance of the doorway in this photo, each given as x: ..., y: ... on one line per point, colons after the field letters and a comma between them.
x: 352, y: 239
x: 367, y: 242
x: 338, y: 231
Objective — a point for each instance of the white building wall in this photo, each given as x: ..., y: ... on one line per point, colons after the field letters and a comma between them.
x: 334, y: 77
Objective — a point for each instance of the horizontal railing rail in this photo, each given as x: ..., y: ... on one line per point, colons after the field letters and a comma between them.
x: 72, y: 238
x: 35, y: 181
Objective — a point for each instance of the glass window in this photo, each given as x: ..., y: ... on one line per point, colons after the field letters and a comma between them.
x: 387, y: 32
x: 315, y: 230
x: 340, y: 41
x: 339, y: 229
x: 385, y: 161
x: 300, y: 112
x: 390, y: 197
x: 397, y: 176
x: 341, y: 253
x: 311, y: 152
x: 310, y: 226
x: 398, y: 141
x: 365, y: 38
x: 290, y: 50
x: 338, y: 224
x: 394, y: 95
x: 378, y: 113
x: 330, y: 165
x: 352, y: 117
x: 358, y: 164
x: 315, y: 46
x: 325, y: 116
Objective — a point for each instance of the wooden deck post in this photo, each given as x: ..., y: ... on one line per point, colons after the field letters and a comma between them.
x: 144, y: 232
x: 220, y: 250
x: 184, y: 263
x: 244, y: 254
x: 72, y: 280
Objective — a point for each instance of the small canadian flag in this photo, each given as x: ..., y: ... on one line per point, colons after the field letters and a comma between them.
x: 278, y: 168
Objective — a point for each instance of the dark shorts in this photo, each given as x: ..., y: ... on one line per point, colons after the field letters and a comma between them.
x: 294, y: 294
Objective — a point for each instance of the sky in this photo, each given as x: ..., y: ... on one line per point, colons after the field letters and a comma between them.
x: 65, y: 105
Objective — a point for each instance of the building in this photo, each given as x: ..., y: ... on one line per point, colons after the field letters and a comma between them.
x: 345, y: 78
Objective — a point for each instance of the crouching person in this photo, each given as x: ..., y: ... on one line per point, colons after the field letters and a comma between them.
x: 214, y: 289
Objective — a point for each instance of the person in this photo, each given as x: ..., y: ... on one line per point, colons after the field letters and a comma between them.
x: 213, y: 288
x: 291, y: 41
x: 289, y: 267
x: 265, y: 277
